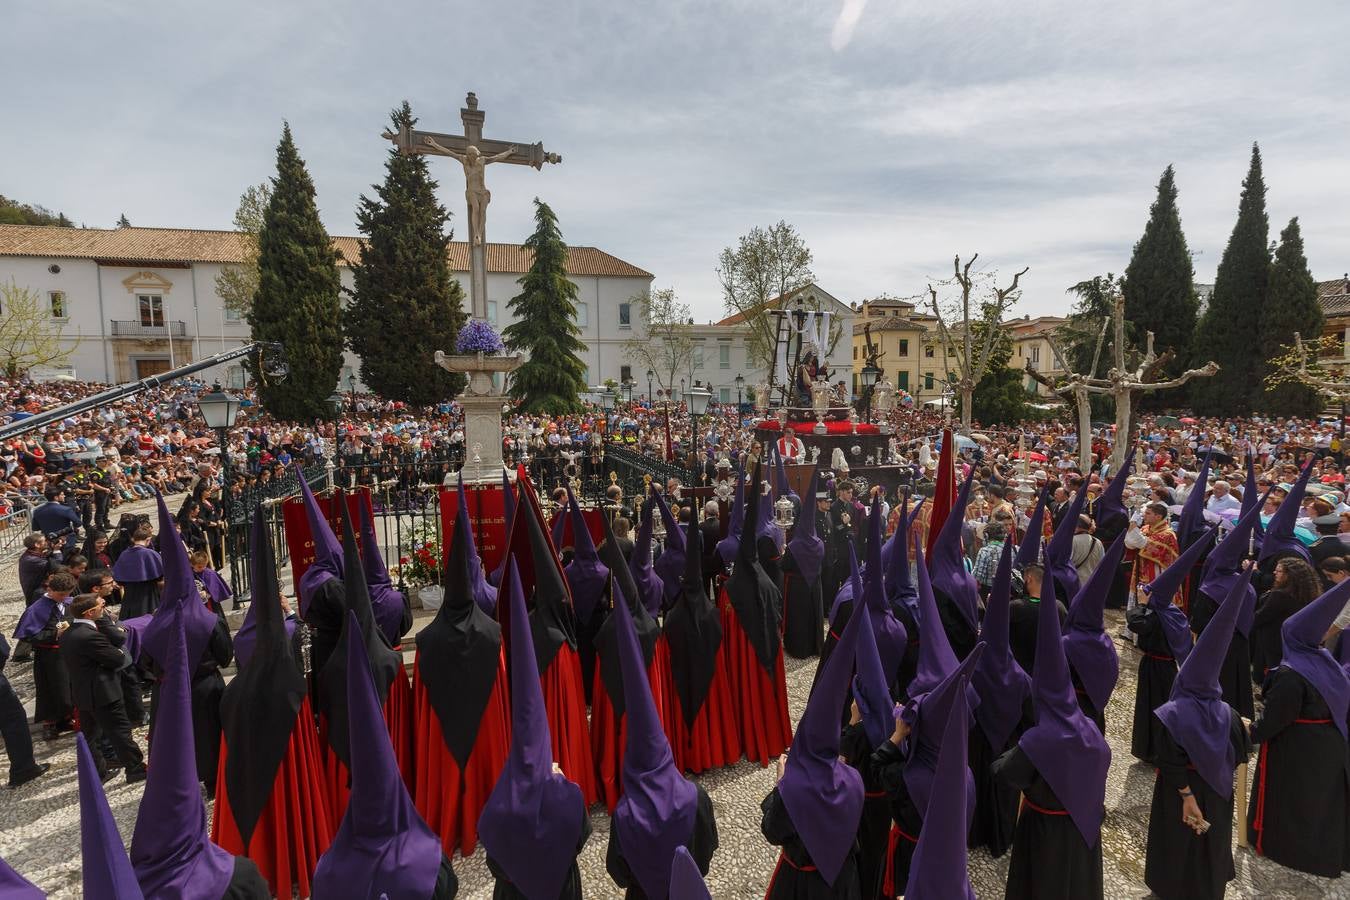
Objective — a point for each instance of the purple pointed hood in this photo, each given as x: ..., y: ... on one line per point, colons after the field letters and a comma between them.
x: 382, y: 847
x: 1280, y: 539
x: 669, y: 566
x: 998, y: 680
x: 494, y: 577
x: 262, y: 578
x: 586, y: 575
x: 1088, y: 647
x: 1191, y: 524
x: 14, y: 886
x: 871, y: 687
x: 900, y: 589
x: 650, y: 588
x: 327, y: 551
x: 104, y: 865
x: 729, y: 546
x: 939, y: 870
x: 889, y: 632
x: 179, y: 598
x: 948, y: 568
x: 1059, y: 552
x: 1196, y: 715
x: 686, y: 883
x: 1223, y: 568
x: 927, y: 718
x: 484, y: 594
x: 170, y: 849
x: 807, y: 547
x: 533, y: 817
x: 387, y: 602
x: 656, y: 812
x: 1250, y: 493
x: 823, y: 794
x: 1302, y: 634
x: 781, y: 488
x: 1176, y: 627
x: 1064, y: 745
x: 936, y: 660
x: 1029, y: 551
x: 1111, y: 505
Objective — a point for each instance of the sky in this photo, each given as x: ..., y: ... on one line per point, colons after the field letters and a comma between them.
x: 892, y: 134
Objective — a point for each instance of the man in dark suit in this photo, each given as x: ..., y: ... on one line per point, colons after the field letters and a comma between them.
x: 14, y: 730
x: 95, y: 667
x: 54, y: 517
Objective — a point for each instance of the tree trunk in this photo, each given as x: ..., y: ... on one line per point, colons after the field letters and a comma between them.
x: 1123, y: 442
x: 967, y: 396
x: 1081, y: 400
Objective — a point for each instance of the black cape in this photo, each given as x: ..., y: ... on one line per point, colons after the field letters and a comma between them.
x: 1157, y: 672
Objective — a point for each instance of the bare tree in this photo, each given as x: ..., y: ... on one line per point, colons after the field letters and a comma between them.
x: 236, y: 284
x: 1293, y: 365
x: 765, y: 264
x: 972, y: 348
x: 29, y: 335
x: 1074, y: 385
x: 665, y: 346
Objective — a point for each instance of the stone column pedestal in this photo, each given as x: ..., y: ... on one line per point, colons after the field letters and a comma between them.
x: 482, y: 404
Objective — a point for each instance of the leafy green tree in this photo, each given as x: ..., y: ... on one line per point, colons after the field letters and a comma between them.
x: 1159, y: 283
x: 237, y: 284
x: 1292, y: 307
x: 1241, y: 289
x: 405, y: 305
x: 12, y: 212
x: 297, y: 299
x: 767, y: 263
x: 1079, y: 336
x: 1000, y: 397
x: 545, y: 328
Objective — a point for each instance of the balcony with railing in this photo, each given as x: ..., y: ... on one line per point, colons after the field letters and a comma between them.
x: 137, y: 329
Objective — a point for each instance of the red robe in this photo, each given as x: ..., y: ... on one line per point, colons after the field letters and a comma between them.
x: 295, y: 828
x: 761, y: 705
x: 565, y: 702
x: 398, y: 716
x: 450, y: 800
x: 715, y: 738
x: 609, y: 734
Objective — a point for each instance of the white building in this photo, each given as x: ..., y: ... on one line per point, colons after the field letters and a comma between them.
x: 138, y: 301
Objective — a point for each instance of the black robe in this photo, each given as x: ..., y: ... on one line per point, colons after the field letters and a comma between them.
x: 795, y: 877
x: 139, y: 598
x: 1050, y: 860
x: 1023, y: 614
x: 246, y: 882
x: 1235, y: 674
x: 1300, y: 806
x: 1157, y: 672
x: 995, y: 802
x: 960, y: 634
x: 874, y: 829
x: 909, y: 663
x: 1267, y: 647
x: 702, y: 844
x: 803, y: 611
x: 51, y: 679
x: 503, y: 889
x: 906, y: 821
x: 1089, y: 709
x: 1180, y: 864
x: 325, y: 613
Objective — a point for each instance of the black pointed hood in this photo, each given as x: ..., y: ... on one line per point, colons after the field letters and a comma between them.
x: 622, y: 588
x: 754, y: 597
x: 693, y: 631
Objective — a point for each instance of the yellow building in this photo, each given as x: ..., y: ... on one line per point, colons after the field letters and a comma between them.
x: 1031, y: 345
x: 910, y: 350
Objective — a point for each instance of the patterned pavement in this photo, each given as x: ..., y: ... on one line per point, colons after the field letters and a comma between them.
x: 39, y: 823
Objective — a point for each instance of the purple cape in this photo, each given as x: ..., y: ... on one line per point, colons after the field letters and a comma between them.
x: 900, y: 589
x: 1029, y: 551
x: 947, y: 566
x: 1064, y: 745
x: 1223, y: 568
x: 1196, y: 715
x: 170, y: 849
x: 939, y: 870
x: 179, y: 599
x: 1175, y: 626
x: 586, y: 575
x: 382, y: 847
x: 1191, y: 524
x: 686, y: 883
x: 650, y: 589
x: 669, y: 566
x: 104, y: 866
x: 1059, y: 552
x: 1280, y: 539
x: 137, y: 563
x: 247, y: 635
x: 807, y: 547
x: 1302, y: 634
x: 533, y: 817
x: 936, y: 660
x: 1088, y: 647
x: 890, y: 636
x: 14, y: 886
x: 216, y: 588
x: 36, y: 617
x: 729, y: 546
x: 327, y: 552
x: 998, y: 680
x: 927, y: 716
x: 871, y: 688
x: 1110, y: 507
x: 822, y: 794
x: 656, y: 813
x: 388, y: 603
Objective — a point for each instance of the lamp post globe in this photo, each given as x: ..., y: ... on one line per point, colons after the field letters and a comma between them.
x: 740, y: 386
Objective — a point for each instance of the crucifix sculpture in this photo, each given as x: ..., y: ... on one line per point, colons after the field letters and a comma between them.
x: 475, y: 153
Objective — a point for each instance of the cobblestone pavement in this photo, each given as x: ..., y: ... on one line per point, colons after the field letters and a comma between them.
x: 39, y: 823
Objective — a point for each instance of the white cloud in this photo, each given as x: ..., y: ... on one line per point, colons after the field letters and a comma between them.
x: 849, y: 14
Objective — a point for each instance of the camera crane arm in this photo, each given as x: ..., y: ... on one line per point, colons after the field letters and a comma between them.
x: 271, y: 356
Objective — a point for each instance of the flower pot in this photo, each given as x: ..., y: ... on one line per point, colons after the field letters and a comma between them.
x: 430, y: 596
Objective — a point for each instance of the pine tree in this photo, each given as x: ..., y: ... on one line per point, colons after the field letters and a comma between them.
x: 1292, y: 307
x: 123, y: 221
x: 1000, y: 397
x: 297, y: 299
x: 1241, y: 288
x: 1159, y: 283
x: 406, y: 305
x: 545, y: 327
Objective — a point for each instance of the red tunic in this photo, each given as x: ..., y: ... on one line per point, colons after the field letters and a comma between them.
x: 761, y: 705
x: 398, y: 717
x: 295, y: 827
x: 450, y: 800
x: 565, y: 701
x: 608, y: 734
x: 715, y: 739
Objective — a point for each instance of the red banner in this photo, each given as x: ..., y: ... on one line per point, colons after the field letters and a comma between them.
x: 300, y: 542
x: 487, y: 514
x: 594, y: 524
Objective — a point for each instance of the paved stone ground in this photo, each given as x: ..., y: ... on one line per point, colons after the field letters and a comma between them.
x: 39, y: 823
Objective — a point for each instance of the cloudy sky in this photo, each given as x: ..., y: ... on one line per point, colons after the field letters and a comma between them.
x: 893, y: 134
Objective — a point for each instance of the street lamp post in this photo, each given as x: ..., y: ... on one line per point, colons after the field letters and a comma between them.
x: 697, y: 398
x: 219, y: 411
x: 351, y: 389
x: 868, y: 376
x: 650, y: 373
x: 740, y: 386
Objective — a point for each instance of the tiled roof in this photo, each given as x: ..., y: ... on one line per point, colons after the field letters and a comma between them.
x: 1334, y: 296
x: 187, y: 245
x: 892, y: 323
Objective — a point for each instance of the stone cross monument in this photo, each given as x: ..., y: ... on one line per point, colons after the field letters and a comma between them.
x: 482, y: 398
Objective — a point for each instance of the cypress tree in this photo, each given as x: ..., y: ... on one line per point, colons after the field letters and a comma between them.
x: 1159, y: 284
x: 297, y: 298
x: 405, y: 305
x: 545, y: 327
x: 1241, y: 289
x: 1292, y: 307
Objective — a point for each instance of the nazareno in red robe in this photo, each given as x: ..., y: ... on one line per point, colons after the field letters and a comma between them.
x: 398, y: 717
x: 295, y: 827
x: 715, y: 738
x: 609, y: 731
x: 565, y: 703
x: 760, y: 698
x: 450, y: 799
